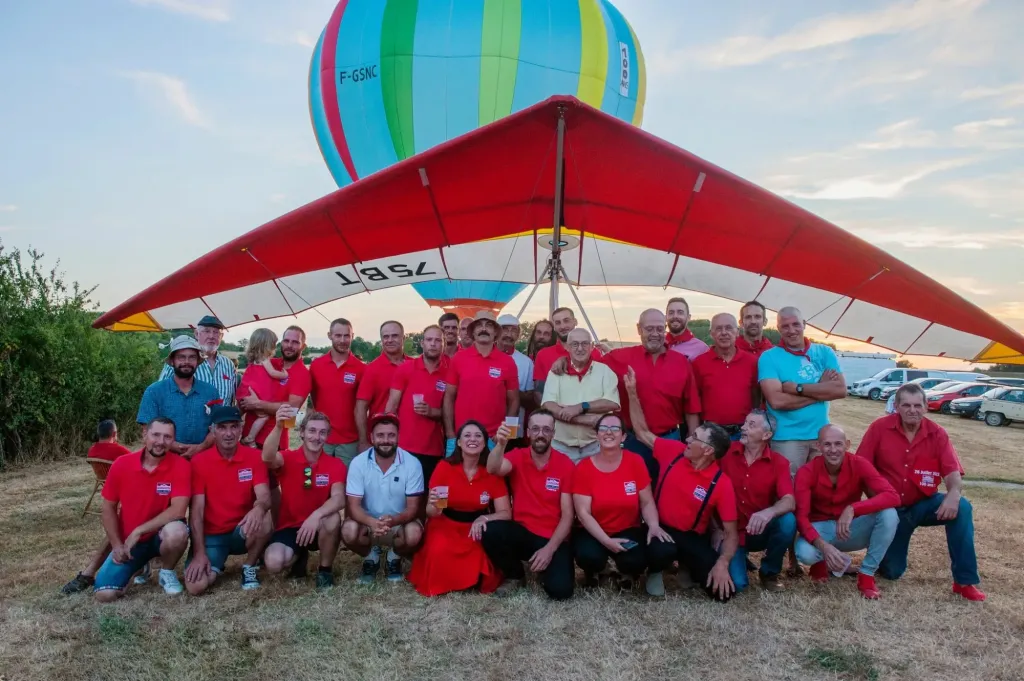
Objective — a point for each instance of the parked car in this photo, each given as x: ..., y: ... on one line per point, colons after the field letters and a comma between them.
x: 1003, y: 409
x: 969, y: 407
x: 890, y: 378
x: 1009, y: 382
x: 925, y: 383
x: 939, y: 400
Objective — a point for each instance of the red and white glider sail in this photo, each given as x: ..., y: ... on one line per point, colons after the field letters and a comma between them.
x: 637, y: 212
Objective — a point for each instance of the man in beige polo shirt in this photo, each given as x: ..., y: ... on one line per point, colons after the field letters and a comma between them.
x: 578, y: 397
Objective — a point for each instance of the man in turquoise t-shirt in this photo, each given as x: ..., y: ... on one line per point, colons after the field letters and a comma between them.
x: 798, y: 380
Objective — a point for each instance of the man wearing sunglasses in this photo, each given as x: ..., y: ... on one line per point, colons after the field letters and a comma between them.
x: 540, y: 479
x: 312, y: 497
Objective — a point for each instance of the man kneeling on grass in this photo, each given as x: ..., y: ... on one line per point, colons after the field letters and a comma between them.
x: 385, y: 496
x: 312, y: 496
x: 541, y: 482
x: 153, y: 488
x: 833, y: 517
x: 230, y: 513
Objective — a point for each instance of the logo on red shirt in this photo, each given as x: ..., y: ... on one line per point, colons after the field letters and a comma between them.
x: 245, y: 475
x: 494, y: 372
x: 323, y: 480
x: 928, y: 478
x: 440, y: 386
x: 349, y: 378
x: 699, y: 493
x: 485, y: 497
x: 163, y: 488
x: 552, y: 484
x: 631, y: 487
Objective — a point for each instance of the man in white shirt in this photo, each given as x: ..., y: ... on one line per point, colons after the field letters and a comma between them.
x: 510, y: 332
x: 385, y: 492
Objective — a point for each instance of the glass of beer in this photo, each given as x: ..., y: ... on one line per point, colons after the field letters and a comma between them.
x: 290, y: 422
x: 442, y: 496
x: 512, y: 423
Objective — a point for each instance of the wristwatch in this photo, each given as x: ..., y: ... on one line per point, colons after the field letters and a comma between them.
x: 799, y: 389
x: 586, y: 407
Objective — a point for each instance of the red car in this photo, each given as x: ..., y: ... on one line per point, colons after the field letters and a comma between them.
x: 938, y: 400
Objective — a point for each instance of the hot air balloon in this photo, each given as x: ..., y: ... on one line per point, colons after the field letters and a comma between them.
x: 392, y: 78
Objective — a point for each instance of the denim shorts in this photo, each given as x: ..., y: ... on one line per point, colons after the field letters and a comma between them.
x: 116, y: 576
x: 220, y: 546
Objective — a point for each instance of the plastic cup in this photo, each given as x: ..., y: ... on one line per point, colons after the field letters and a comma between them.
x: 846, y: 563
x: 512, y: 422
x: 290, y: 422
x: 442, y: 496
x: 417, y: 399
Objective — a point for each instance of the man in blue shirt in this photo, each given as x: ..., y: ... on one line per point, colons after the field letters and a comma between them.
x: 182, y: 398
x: 798, y: 379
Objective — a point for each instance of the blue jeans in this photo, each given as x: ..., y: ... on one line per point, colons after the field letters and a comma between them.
x: 774, y: 541
x: 220, y: 546
x: 959, y: 539
x: 634, y: 445
x: 873, y: 532
x: 116, y: 576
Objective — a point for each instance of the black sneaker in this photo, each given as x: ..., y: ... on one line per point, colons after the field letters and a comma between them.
x: 77, y: 585
x: 370, y: 568
x: 324, y: 579
x: 249, y: 579
x: 393, y: 570
x: 298, y: 570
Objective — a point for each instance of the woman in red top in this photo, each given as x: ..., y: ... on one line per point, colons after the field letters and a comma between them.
x: 611, y: 491
x: 452, y: 558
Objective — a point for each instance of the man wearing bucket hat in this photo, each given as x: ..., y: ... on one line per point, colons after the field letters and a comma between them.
x: 483, y: 382
x: 215, y: 368
x: 182, y: 398
x: 510, y: 333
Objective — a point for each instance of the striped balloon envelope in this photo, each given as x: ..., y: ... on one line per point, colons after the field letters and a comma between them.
x: 392, y: 78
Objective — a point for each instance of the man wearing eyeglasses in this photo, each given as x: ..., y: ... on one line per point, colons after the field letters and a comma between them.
x: 541, y: 482
x: 578, y: 396
x: 312, y: 496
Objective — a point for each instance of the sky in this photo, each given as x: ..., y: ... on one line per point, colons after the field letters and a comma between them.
x: 137, y: 135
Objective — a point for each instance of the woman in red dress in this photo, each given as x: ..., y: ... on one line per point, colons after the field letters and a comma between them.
x: 452, y: 558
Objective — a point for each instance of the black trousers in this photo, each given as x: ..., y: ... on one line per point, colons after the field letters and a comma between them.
x: 592, y: 556
x: 692, y: 550
x: 508, y: 544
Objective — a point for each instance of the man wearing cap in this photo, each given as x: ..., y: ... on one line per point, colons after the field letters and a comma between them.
x: 230, y: 510
x: 145, y: 499
x: 385, y: 496
x: 563, y: 320
x: 312, y: 497
x: 183, y: 399
x: 417, y: 394
x: 292, y: 391
x: 483, y: 383
x: 335, y: 381
x: 578, y: 397
x: 375, y: 387
x: 215, y: 369
x: 507, y: 339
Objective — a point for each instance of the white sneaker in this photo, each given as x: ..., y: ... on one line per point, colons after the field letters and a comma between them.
x: 169, y: 581
x: 142, y: 577
x: 655, y: 584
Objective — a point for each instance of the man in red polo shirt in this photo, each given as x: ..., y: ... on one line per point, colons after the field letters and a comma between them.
x: 540, y: 480
x: 691, y: 489
x: 417, y: 395
x: 563, y: 320
x: 665, y: 385
x: 375, y: 386
x: 764, y: 501
x: 145, y: 499
x: 449, y: 325
x: 292, y: 391
x: 914, y: 454
x: 726, y: 378
x: 834, y: 518
x: 751, y: 339
x: 483, y: 383
x: 230, y: 510
x: 335, y: 382
x: 312, y: 497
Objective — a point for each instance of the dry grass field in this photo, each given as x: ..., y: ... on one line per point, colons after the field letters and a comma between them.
x: 287, y: 631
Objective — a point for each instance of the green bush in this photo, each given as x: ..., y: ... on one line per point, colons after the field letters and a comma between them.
x: 58, y: 375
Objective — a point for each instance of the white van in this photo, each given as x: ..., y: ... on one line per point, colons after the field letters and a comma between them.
x: 872, y: 388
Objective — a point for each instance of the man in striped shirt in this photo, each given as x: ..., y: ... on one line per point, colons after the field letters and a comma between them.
x: 215, y: 369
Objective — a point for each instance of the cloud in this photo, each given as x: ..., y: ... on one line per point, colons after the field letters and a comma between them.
x: 208, y: 10
x: 278, y: 197
x: 835, y: 30
x: 901, y: 135
x: 1003, y: 193
x: 891, y: 233
x: 171, y: 91
x: 297, y: 37
x: 7, y: 208
x: 968, y: 285
x: 1008, y: 95
x: 873, y: 186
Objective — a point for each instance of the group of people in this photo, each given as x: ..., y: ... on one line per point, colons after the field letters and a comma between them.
x: 477, y: 463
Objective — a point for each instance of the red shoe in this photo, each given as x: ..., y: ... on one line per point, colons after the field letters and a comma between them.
x: 969, y: 591
x: 819, y: 572
x: 867, y: 586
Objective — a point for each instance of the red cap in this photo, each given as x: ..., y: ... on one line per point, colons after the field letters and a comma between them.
x: 382, y: 418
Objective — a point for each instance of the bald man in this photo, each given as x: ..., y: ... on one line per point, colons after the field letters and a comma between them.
x: 726, y: 378
x: 798, y: 379
x: 833, y: 516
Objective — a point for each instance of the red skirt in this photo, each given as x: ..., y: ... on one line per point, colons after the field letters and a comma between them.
x: 450, y: 561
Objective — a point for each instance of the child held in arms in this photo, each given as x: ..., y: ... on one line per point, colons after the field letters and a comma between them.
x: 260, y: 376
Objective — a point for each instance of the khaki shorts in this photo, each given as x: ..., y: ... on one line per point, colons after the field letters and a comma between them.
x: 346, y: 452
x: 797, y: 452
x: 388, y: 540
